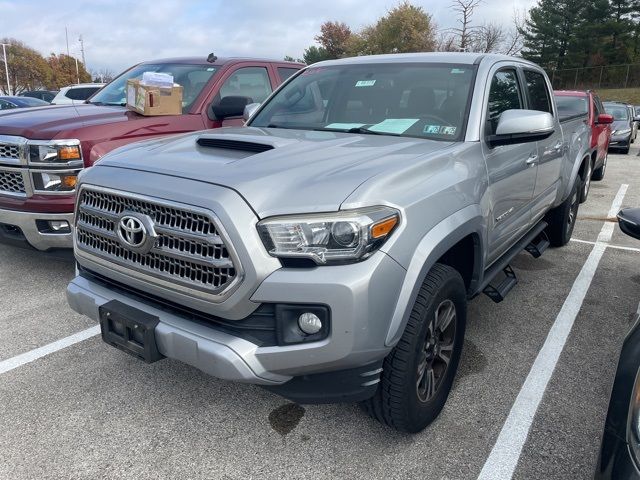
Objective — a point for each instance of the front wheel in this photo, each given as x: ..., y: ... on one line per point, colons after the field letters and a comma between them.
x: 562, y: 219
x: 418, y: 373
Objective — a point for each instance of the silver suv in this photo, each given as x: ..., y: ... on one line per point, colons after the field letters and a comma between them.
x: 327, y: 252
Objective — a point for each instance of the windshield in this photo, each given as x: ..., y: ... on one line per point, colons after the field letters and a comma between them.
x: 408, y: 99
x: 571, y: 105
x: 619, y: 112
x: 193, y: 78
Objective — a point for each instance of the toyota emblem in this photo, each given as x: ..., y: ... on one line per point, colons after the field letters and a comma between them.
x: 132, y: 232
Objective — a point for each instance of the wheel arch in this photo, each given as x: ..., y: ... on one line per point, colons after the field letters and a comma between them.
x: 457, y: 241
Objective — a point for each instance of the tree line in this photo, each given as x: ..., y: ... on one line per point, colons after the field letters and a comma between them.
x: 29, y: 70
x: 562, y: 34
x: 409, y: 28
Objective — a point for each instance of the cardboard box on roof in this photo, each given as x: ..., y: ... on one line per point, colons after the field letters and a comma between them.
x: 152, y: 100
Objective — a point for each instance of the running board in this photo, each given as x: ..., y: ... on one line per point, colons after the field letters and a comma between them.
x: 500, y: 291
x: 538, y: 245
x: 497, y: 293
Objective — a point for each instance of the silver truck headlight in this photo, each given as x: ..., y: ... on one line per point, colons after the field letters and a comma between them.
x: 329, y: 238
x: 55, y: 152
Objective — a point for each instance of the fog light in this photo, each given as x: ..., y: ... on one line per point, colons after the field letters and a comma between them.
x: 59, y: 225
x: 309, y: 323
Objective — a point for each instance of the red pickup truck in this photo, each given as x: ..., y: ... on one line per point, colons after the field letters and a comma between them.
x: 42, y: 150
x: 588, y: 104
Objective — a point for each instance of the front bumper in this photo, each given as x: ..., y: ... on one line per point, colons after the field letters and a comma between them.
x: 29, y: 228
x: 361, y: 298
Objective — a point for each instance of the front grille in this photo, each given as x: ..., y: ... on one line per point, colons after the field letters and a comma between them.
x: 188, y: 249
x: 8, y: 150
x: 11, y: 182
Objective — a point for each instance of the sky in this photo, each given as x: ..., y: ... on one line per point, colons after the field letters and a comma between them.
x: 118, y: 34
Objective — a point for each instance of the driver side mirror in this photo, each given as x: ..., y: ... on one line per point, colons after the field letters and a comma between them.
x: 629, y: 221
x: 604, y: 119
x: 636, y: 118
x: 250, y: 110
x: 522, y: 126
x: 231, y: 106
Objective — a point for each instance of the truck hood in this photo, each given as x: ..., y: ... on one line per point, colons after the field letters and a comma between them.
x: 276, y: 170
x: 46, y: 123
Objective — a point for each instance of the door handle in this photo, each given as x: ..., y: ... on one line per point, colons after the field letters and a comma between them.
x: 557, y: 146
x: 531, y: 161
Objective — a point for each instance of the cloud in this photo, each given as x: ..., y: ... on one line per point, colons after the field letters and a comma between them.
x: 118, y: 34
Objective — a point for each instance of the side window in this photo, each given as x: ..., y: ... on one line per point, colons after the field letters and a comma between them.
x: 6, y: 105
x: 538, y: 92
x: 504, y: 95
x: 597, y: 106
x: 81, y: 93
x: 252, y: 82
x: 284, y: 73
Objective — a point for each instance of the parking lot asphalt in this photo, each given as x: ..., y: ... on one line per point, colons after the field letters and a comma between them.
x: 90, y: 411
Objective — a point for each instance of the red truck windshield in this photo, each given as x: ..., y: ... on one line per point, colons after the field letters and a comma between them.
x: 193, y: 78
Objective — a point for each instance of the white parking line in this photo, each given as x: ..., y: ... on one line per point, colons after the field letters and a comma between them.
x: 504, y: 456
x: 617, y: 247
x: 28, y: 357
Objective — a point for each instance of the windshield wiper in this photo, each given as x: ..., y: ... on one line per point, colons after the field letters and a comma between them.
x: 108, y: 104
x: 356, y: 130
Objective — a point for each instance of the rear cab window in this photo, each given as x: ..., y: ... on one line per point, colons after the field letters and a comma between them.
x: 285, y: 72
x: 539, y: 97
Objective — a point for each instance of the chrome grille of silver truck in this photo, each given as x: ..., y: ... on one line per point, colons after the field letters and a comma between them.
x: 189, y: 249
x: 11, y: 182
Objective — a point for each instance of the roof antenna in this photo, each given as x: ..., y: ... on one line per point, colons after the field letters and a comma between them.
x: 211, y: 58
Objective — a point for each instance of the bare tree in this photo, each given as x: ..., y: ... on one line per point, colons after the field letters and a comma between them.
x: 446, y: 42
x: 465, y: 9
x: 513, y: 39
x: 489, y: 38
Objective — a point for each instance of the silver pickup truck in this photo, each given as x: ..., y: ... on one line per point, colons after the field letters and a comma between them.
x: 327, y: 251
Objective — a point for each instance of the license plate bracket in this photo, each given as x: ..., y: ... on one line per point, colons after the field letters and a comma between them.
x: 130, y: 330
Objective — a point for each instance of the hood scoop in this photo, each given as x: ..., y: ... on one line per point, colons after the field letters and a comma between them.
x: 238, y: 145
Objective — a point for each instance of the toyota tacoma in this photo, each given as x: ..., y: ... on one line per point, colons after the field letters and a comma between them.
x: 327, y: 251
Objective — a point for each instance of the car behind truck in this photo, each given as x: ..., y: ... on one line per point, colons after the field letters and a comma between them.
x: 328, y: 251
x: 42, y: 151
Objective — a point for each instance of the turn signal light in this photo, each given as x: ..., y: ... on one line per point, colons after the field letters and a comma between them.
x: 69, y: 181
x: 383, y: 228
x: 69, y: 153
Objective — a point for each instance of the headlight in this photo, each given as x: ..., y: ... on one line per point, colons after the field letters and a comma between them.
x: 621, y: 132
x: 55, y: 152
x: 55, y: 181
x: 341, y: 237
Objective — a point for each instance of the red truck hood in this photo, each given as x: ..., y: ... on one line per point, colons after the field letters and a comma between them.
x: 45, y: 123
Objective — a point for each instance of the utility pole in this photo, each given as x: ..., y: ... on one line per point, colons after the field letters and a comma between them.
x: 82, y: 51
x: 6, y: 67
x: 77, y: 72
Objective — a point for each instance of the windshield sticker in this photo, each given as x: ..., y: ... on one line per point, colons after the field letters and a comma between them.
x: 344, y: 126
x: 394, y: 125
x: 457, y: 70
x: 439, y: 130
x: 365, y: 83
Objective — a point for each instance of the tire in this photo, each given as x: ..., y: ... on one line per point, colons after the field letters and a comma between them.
x: 562, y: 219
x: 586, y: 183
x: 598, y: 173
x: 405, y: 399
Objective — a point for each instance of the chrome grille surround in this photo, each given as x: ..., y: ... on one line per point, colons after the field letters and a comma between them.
x: 12, y: 182
x: 13, y: 150
x: 191, y: 252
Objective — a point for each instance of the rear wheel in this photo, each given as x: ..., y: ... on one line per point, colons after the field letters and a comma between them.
x: 418, y: 373
x: 598, y: 173
x: 562, y: 219
x: 586, y: 183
